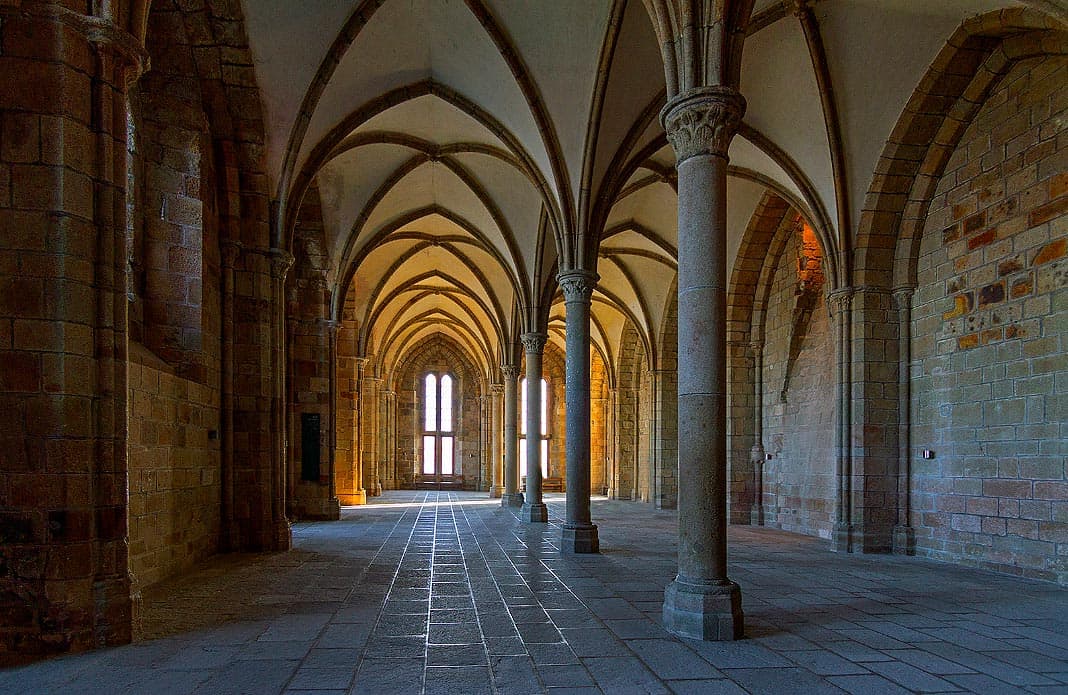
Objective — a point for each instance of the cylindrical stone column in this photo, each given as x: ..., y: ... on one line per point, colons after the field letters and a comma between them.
x: 534, y: 510
x: 904, y: 534
x: 496, y: 460
x: 512, y: 497
x: 757, y: 454
x: 579, y: 534
x: 702, y: 603
x: 840, y: 304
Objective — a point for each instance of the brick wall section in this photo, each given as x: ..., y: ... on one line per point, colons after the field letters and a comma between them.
x: 799, y: 480
x: 990, y: 338
x: 174, y: 470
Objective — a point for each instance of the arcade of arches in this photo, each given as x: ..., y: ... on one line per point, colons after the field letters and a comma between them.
x: 774, y: 266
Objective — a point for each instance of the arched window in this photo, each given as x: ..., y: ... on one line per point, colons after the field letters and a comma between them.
x: 439, y: 440
x: 544, y: 427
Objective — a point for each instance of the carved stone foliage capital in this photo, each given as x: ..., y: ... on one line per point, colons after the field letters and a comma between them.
x: 703, y: 121
x: 510, y: 371
x: 839, y: 302
x: 534, y: 342
x: 577, y: 285
x: 903, y: 297
x: 497, y: 389
x: 281, y: 262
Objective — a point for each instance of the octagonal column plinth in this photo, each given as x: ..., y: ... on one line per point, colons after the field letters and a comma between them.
x: 703, y: 603
x: 534, y: 509
x: 579, y: 534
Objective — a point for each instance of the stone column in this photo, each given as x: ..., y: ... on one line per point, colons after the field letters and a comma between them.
x: 496, y: 460
x: 282, y: 533
x: 369, y: 433
x: 359, y: 493
x: 840, y: 304
x: 333, y: 504
x: 904, y: 541
x: 757, y: 454
x: 229, y: 538
x: 702, y: 602
x: 512, y: 497
x: 534, y: 510
x: 579, y: 534
x: 389, y: 478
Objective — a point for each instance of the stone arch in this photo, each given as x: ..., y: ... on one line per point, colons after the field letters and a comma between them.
x: 440, y: 353
x: 777, y: 324
x: 947, y: 98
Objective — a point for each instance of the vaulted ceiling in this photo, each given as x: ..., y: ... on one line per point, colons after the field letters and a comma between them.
x: 464, y: 150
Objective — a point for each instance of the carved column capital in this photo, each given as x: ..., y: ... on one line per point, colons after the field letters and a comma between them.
x: 497, y: 389
x: 534, y: 343
x: 903, y: 297
x: 231, y: 252
x: 128, y: 53
x: 577, y: 285
x: 703, y: 121
x: 510, y: 371
x: 281, y: 262
x: 840, y: 301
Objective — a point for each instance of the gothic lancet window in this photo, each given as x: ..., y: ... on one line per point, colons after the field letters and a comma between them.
x: 439, y: 437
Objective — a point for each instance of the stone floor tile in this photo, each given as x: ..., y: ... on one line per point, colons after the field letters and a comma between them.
x: 573, y: 676
x: 777, y: 681
x: 705, y: 687
x: 669, y: 659
x: 322, y: 678
x: 456, y: 655
x: 825, y: 663
x: 462, y: 573
x: 458, y: 680
x: 911, y: 677
x: 983, y: 684
x: 623, y: 676
x: 928, y: 662
x: 869, y: 684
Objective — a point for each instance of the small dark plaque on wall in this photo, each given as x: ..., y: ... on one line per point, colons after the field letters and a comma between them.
x: 309, y: 447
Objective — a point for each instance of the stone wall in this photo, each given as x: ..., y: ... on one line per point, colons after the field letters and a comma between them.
x: 174, y: 470
x: 798, y: 403
x: 990, y: 338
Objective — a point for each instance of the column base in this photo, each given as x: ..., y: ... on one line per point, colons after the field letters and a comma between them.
x: 842, y: 538
x: 496, y: 492
x: 352, y: 499
x: 579, y: 539
x: 514, y: 499
x: 712, y: 613
x: 904, y: 540
x: 283, y: 535
x: 534, y: 513
x: 756, y: 516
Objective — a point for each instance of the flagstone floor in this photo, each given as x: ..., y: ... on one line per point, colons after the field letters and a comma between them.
x: 428, y: 593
